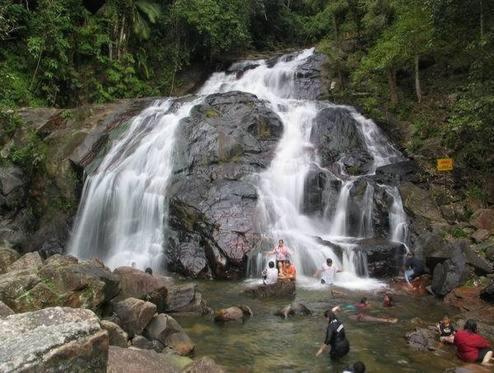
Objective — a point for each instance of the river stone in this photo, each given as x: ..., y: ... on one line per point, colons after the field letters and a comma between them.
x: 483, y: 219
x: 226, y: 140
x: 130, y: 360
x: 184, y: 299
x: 16, y: 284
x: 166, y: 330
x: 30, y: 261
x: 280, y: 289
x: 487, y: 294
x: 117, y: 336
x: 138, y: 284
x: 423, y: 339
x: 481, y: 235
x: 53, y: 340
x: 293, y: 309
x: 5, y: 310
x: 204, y: 365
x: 7, y: 257
x: 142, y: 342
x: 240, y: 312
x: 134, y: 314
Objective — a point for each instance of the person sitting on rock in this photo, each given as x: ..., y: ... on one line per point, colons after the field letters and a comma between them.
x: 335, y: 337
x: 281, y: 251
x: 288, y: 272
x: 414, y: 268
x: 471, y: 346
x: 446, y: 330
x: 270, y: 274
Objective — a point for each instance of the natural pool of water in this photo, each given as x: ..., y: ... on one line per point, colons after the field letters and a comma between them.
x: 267, y: 343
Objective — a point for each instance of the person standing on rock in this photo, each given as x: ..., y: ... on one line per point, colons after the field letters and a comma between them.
x: 282, y: 253
x: 471, y: 346
x: 327, y: 273
x: 335, y: 337
x: 414, y: 268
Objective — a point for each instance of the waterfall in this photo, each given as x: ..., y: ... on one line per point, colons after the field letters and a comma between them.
x: 123, y: 209
x: 123, y: 212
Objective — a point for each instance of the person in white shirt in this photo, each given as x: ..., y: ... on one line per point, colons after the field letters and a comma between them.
x: 270, y: 274
x: 327, y: 273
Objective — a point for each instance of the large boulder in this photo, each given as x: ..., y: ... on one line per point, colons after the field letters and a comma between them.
x: 226, y: 139
x: 384, y: 258
x: 483, y: 219
x: 337, y: 139
x: 134, y: 314
x: 7, y: 257
x: 168, y: 331
x: 185, y: 298
x: 419, y: 202
x: 449, y: 274
x: 31, y: 261
x: 234, y: 313
x: 132, y: 360
x: 135, y: 283
x: 280, y: 289
x: 204, y: 365
x: 16, y: 285
x: 53, y: 340
x: 116, y: 335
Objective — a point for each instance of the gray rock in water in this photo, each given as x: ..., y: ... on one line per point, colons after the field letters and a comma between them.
x: 168, y: 332
x: 204, y: 365
x: 423, y: 339
x: 134, y: 314
x: 53, y: 340
x: 294, y: 309
x: 235, y: 313
x: 280, y: 289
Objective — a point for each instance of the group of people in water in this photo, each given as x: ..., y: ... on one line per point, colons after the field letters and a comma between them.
x: 471, y: 346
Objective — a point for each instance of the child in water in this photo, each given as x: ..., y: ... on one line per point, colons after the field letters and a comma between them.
x: 388, y: 300
x: 446, y: 330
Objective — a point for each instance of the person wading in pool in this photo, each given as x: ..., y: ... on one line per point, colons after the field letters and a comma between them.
x: 335, y: 337
x: 282, y: 253
x: 327, y: 273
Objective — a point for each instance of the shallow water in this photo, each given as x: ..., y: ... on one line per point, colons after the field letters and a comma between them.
x: 268, y: 343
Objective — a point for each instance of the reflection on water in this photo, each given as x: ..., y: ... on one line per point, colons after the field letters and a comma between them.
x: 268, y: 343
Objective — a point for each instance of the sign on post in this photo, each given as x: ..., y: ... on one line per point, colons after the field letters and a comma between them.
x: 445, y: 164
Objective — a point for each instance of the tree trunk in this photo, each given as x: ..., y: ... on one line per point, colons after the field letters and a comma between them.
x: 418, y: 90
x: 393, y: 90
x: 121, y: 40
x: 481, y: 20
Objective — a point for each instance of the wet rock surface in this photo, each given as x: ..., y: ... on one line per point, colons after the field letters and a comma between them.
x: 280, y: 289
x: 384, y: 258
x: 53, y: 339
x: 234, y: 313
x: 294, y: 309
x: 213, y: 199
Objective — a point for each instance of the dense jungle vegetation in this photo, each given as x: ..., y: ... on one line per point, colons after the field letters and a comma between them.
x: 425, y: 66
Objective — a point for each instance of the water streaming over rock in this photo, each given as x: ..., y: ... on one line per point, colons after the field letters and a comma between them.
x: 123, y: 209
x: 318, y: 193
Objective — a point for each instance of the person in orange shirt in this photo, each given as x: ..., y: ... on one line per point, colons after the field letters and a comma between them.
x: 289, y: 272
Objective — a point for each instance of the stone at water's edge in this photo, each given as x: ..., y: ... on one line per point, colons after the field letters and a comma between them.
x: 235, y: 313
x: 139, y: 361
x: 280, y: 289
x: 167, y: 330
x: 293, y: 309
x: 53, y: 340
x: 134, y: 314
x: 204, y: 365
x: 423, y: 339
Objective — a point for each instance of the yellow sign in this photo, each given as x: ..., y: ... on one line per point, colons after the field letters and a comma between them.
x: 445, y: 164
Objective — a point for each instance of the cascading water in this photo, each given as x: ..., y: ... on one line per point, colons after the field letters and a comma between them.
x: 123, y: 208
x: 281, y: 186
x: 123, y: 211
